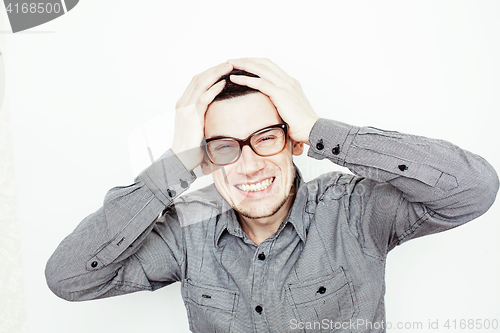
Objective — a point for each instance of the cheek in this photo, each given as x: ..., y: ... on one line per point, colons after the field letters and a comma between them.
x: 285, y: 166
x: 220, y: 182
x: 218, y: 178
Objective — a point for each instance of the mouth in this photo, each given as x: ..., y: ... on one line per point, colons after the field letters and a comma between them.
x: 261, y: 186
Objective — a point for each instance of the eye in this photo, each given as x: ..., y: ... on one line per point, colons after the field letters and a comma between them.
x: 266, y: 138
x: 223, y: 147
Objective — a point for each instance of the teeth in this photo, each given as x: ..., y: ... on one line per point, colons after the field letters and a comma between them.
x: 256, y: 187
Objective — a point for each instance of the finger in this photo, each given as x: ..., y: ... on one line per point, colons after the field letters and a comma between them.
x: 264, y: 62
x: 258, y: 67
x: 260, y: 84
x: 208, y: 97
x: 203, y: 81
x: 207, y: 78
x: 264, y: 68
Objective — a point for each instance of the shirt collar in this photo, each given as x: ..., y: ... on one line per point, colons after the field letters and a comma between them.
x: 228, y: 220
x: 297, y: 215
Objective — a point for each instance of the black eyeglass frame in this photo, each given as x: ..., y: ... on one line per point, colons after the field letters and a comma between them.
x: 246, y: 142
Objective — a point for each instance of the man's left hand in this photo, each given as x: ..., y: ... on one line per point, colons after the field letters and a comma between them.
x: 284, y: 91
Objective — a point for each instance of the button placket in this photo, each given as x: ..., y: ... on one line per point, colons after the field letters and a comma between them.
x: 259, y: 270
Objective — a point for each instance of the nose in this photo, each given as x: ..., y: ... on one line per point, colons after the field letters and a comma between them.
x: 249, y: 162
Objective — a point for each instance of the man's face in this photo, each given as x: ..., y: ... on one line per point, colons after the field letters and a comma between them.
x: 238, y: 118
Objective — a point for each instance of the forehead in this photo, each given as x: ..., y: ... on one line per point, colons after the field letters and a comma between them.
x: 240, y: 116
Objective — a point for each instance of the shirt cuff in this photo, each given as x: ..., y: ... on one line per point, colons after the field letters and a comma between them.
x: 167, y: 177
x: 331, y: 139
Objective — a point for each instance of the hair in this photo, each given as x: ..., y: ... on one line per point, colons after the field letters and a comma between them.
x: 231, y: 89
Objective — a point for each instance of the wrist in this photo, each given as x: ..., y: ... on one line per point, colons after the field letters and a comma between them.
x: 307, y: 128
x: 190, y: 158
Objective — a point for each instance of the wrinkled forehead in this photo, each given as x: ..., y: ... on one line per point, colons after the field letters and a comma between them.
x: 240, y: 116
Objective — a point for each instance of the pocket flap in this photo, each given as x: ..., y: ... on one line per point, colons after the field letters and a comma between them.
x: 211, y: 296
x: 303, y: 293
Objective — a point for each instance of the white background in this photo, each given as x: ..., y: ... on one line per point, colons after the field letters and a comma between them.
x: 79, y: 85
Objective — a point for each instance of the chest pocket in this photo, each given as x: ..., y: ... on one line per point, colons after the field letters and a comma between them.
x: 323, y: 304
x: 210, y: 309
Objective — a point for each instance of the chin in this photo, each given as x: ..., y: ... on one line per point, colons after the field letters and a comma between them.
x: 259, y: 211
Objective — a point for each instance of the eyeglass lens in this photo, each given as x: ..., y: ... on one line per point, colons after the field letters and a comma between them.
x: 265, y: 143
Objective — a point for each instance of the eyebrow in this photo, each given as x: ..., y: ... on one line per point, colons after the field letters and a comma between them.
x: 220, y: 137
x: 217, y: 137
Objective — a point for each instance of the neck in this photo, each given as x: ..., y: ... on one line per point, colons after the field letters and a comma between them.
x: 260, y: 229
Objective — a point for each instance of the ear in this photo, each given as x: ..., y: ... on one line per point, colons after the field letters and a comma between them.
x: 206, y: 166
x: 297, y: 148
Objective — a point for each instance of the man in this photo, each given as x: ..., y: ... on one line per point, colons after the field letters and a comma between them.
x: 260, y: 250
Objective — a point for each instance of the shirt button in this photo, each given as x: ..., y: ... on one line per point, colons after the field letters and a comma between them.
x: 94, y: 264
x: 184, y: 184
x: 262, y: 256
x: 336, y: 150
x: 320, y: 145
x: 321, y: 290
x: 402, y: 167
x: 171, y: 193
x: 258, y: 308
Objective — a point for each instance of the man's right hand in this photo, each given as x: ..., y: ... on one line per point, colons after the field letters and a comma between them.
x: 190, y: 114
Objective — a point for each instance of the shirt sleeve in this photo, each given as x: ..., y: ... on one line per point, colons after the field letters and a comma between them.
x: 111, y: 252
x: 410, y: 186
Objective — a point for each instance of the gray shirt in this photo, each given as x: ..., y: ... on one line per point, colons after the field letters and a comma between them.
x: 322, y: 271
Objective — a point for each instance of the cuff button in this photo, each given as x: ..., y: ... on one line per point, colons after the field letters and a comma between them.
x: 94, y: 264
x: 184, y: 184
x: 336, y: 150
x: 320, y: 145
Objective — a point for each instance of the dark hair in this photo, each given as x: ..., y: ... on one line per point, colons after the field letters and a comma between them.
x: 232, y: 90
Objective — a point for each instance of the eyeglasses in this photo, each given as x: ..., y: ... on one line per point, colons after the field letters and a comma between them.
x: 268, y: 141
